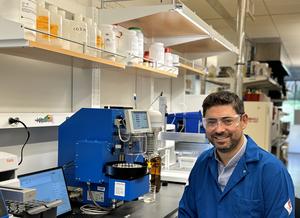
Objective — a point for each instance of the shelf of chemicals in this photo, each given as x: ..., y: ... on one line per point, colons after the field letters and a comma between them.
x: 160, y: 24
x: 13, y: 42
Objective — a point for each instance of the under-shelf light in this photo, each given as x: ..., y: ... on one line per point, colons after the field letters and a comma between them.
x: 211, y: 32
x: 192, y: 21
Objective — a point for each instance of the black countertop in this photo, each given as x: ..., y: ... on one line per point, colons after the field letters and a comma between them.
x: 165, y: 205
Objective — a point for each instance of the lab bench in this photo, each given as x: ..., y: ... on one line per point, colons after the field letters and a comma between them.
x: 165, y: 205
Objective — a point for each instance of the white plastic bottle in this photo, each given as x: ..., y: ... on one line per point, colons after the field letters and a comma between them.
x: 168, y: 57
x: 128, y: 45
x: 78, y: 33
x: 42, y: 22
x: 109, y: 39
x: 157, y: 52
x: 92, y: 37
x: 55, y: 26
x: 21, y: 11
x: 140, y: 37
x: 65, y: 30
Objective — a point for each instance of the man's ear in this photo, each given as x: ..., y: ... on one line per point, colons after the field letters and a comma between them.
x: 244, y: 121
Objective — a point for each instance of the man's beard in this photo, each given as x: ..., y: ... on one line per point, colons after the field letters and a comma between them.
x: 224, y: 149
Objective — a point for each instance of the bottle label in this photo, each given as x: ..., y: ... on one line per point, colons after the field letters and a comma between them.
x: 42, y: 25
x: 99, y: 42
x: 28, y: 13
x: 79, y: 29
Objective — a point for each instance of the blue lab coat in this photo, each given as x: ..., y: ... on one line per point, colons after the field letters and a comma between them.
x: 259, y: 186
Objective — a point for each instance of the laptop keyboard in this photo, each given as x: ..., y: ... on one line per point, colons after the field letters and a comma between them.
x: 20, y: 209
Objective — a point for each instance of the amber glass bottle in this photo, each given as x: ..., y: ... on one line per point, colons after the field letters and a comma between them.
x: 155, y: 168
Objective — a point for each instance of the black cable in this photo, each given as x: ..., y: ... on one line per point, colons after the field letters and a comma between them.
x: 11, y: 121
x: 160, y: 94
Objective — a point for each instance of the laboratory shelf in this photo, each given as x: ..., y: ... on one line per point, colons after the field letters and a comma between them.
x: 175, y: 25
x: 257, y: 82
x: 192, y: 69
x: 261, y: 82
x: 220, y: 80
x: 13, y: 42
x: 49, y: 53
x: 147, y: 71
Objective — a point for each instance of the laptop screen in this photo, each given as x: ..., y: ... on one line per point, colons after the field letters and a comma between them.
x: 50, y: 185
x: 3, y: 210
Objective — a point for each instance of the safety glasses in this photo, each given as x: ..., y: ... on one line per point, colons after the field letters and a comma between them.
x: 210, y: 123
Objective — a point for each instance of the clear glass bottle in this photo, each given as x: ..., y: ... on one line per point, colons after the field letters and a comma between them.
x: 42, y: 22
x: 65, y: 30
x: 55, y: 26
x: 99, y: 42
x: 92, y: 37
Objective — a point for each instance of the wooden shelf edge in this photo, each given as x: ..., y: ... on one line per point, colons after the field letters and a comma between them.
x: 54, y: 49
x: 153, y: 70
x: 201, y: 72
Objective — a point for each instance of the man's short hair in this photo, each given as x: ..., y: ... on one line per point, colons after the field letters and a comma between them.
x: 223, y: 98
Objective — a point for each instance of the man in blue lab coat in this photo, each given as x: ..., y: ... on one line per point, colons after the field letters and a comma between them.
x: 236, y: 178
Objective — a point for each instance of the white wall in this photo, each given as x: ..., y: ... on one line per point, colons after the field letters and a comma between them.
x: 28, y: 85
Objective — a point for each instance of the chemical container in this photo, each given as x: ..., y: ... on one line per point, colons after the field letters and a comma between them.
x: 157, y: 52
x: 21, y: 11
x: 109, y: 41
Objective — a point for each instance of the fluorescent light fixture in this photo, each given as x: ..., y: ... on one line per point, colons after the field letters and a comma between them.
x: 231, y: 48
x: 209, y: 31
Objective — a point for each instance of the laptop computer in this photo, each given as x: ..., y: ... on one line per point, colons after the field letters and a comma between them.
x: 50, y: 185
x: 3, y: 209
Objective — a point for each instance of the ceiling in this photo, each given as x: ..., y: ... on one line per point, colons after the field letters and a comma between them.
x: 272, y: 19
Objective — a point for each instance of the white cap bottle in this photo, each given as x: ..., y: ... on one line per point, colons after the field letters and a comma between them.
x: 78, y: 31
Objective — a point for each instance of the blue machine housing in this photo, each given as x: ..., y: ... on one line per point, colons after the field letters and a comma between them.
x: 187, y: 122
x: 86, y: 143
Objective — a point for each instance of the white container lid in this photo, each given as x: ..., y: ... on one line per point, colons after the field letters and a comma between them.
x: 130, y: 33
x: 158, y: 44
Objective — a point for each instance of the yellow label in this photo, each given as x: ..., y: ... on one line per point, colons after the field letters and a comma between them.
x: 99, y: 42
x: 53, y: 30
x: 42, y: 25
